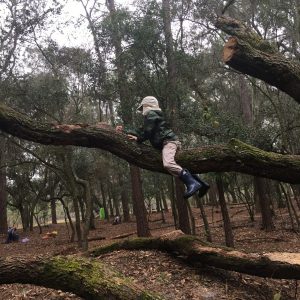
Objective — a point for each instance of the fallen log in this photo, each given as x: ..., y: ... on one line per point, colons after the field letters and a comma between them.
x: 259, y: 240
x: 84, y: 277
x: 195, y: 251
x: 96, y: 238
x: 122, y: 236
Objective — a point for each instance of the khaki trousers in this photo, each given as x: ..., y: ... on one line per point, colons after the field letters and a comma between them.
x: 168, y: 157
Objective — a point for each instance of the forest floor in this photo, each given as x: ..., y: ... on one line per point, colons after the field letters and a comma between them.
x: 159, y: 272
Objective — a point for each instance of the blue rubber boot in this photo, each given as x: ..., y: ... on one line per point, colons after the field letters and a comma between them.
x: 192, y: 184
x: 204, y: 186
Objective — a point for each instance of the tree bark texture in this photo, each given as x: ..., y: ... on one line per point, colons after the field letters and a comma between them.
x: 229, y: 239
x: 182, y: 208
x: 87, y: 278
x: 171, y: 107
x: 248, y: 53
x: 3, y: 193
x: 138, y: 203
x: 264, y: 204
x: 273, y: 265
x: 53, y: 211
x: 235, y: 156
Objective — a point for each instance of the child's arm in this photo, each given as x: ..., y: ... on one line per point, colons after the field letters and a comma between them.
x: 142, y: 134
x: 120, y: 129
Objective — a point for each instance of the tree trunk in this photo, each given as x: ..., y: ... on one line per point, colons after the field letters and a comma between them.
x: 73, y: 190
x: 116, y: 204
x: 104, y: 202
x: 138, y: 203
x: 126, y: 109
x: 171, y: 108
x: 164, y: 200
x: 124, y: 199
x: 229, y: 240
x: 88, y: 210
x: 110, y: 204
x: 158, y: 198
x: 172, y: 196
x: 212, y: 194
x: 246, y: 101
x: 3, y: 194
x: 204, y: 218
x: 68, y: 216
x: 264, y: 203
x: 183, y: 214
x: 53, y: 211
x: 24, y: 214
x: 92, y: 218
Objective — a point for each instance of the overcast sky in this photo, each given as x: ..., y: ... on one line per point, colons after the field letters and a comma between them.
x: 73, y: 35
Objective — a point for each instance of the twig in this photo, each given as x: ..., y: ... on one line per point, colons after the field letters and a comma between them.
x: 229, y: 3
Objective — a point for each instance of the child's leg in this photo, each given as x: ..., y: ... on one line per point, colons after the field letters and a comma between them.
x: 168, y: 154
x: 193, y: 184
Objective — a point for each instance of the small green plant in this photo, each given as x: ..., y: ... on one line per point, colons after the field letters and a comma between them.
x: 277, y: 296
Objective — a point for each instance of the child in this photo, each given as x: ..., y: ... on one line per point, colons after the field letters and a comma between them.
x: 163, y: 138
x: 12, y: 235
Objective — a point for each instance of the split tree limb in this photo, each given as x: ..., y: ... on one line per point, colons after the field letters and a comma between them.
x: 235, y: 156
x: 87, y: 278
x: 248, y: 53
x: 274, y: 265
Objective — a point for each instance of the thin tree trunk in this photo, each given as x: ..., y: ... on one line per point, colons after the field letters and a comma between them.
x: 36, y: 217
x: 104, y: 202
x: 205, y: 221
x: 183, y: 214
x: 192, y: 218
x: 138, y: 203
x: 124, y: 199
x: 173, y: 202
x: 53, y: 211
x: 3, y: 194
x: 67, y: 214
x: 88, y: 210
x: 171, y: 107
x: 73, y: 189
x: 264, y: 203
x: 229, y: 240
x: 110, y: 204
x: 164, y: 200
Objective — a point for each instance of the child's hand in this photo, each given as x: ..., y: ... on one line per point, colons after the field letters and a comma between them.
x: 119, y: 128
x: 132, y: 137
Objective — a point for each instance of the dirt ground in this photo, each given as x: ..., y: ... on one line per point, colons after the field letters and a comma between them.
x: 161, y: 273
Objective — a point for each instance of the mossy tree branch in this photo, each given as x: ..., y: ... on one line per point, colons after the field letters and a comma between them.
x: 235, y: 156
x: 248, y: 53
x: 195, y: 251
x: 84, y: 277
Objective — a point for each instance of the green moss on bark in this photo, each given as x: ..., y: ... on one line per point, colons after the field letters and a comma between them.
x: 91, y: 279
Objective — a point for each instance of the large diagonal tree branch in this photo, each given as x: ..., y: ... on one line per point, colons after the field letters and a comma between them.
x: 235, y: 156
x: 248, y: 53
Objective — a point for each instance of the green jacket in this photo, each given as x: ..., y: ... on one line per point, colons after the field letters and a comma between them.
x: 155, y: 130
